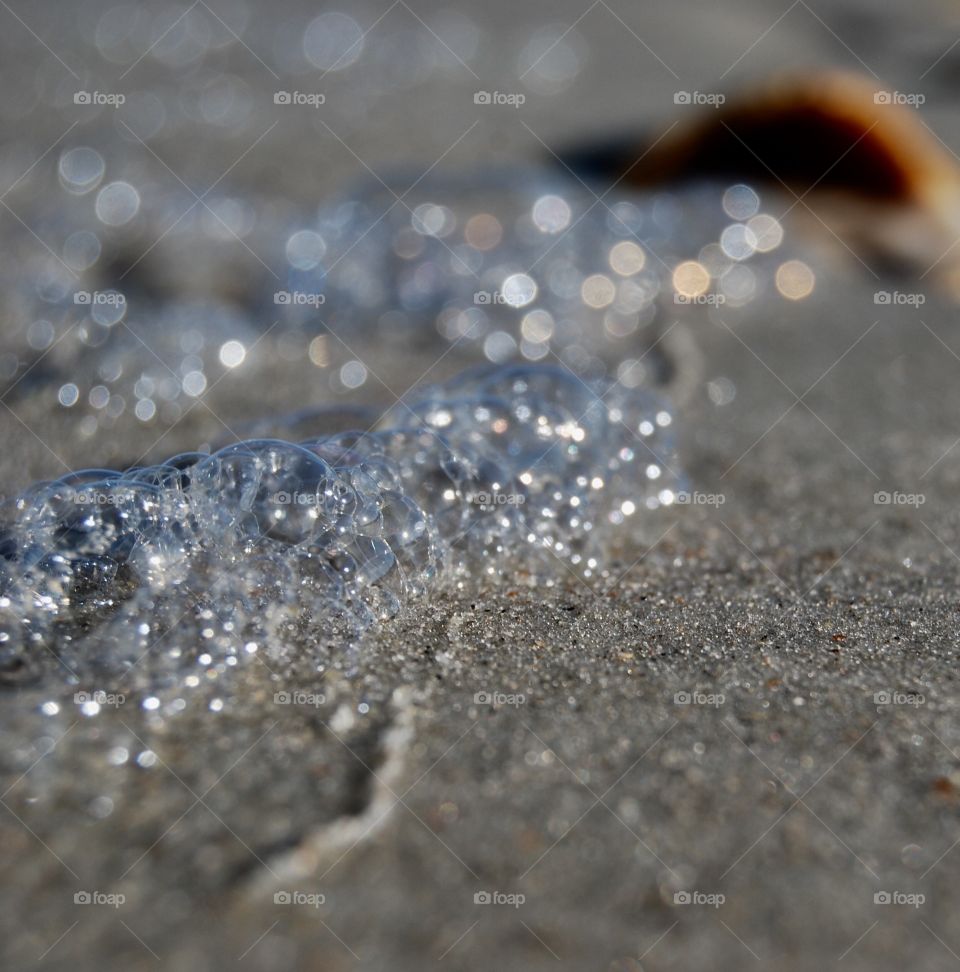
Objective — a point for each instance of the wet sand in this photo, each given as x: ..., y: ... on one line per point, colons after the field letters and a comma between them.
x: 758, y: 701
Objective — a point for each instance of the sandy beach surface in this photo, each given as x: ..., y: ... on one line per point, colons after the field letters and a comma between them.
x: 737, y: 747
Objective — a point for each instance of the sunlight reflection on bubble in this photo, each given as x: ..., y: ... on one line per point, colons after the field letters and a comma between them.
x: 81, y: 169
x: 117, y: 203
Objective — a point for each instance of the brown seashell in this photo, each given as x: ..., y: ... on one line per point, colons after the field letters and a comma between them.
x: 877, y: 178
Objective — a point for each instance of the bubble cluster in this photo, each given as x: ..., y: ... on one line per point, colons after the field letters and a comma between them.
x: 522, y: 265
x: 504, y: 468
x: 515, y: 266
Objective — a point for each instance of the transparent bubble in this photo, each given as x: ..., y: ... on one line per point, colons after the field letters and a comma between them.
x: 145, y: 409
x: 108, y: 308
x: 483, y: 231
x: 538, y: 326
x: 519, y: 289
x: 40, y: 335
x: 194, y: 383
x: 627, y: 258
x: 117, y: 203
x: 432, y: 220
x: 499, y: 347
x: 721, y: 391
x: 740, y: 202
x: 353, y: 374
x: 738, y: 241
x: 551, y: 214
x: 232, y: 354
x: 305, y: 249
x: 81, y: 250
x: 738, y: 284
x: 598, y: 290
x: 767, y: 232
x: 68, y: 395
x: 333, y: 41
x: 81, y: 169
x: 552, y: 59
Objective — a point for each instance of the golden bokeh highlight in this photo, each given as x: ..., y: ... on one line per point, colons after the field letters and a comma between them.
x: 690, y: 279
x: 598, y: 290
x: 483, y: 231
x: 795, y: 280
x: 626, y: 258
